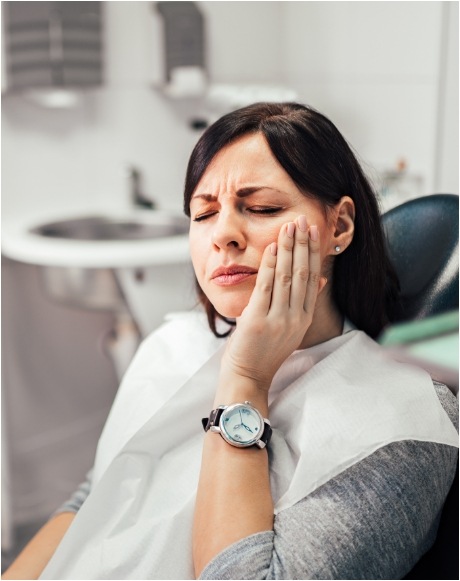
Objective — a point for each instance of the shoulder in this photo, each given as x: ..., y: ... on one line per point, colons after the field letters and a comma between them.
x: 377, y: 518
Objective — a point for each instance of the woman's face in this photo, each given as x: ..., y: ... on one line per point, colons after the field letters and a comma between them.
x: 237, y: 210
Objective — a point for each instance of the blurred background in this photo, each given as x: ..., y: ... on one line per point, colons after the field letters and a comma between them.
x: 102, y: 103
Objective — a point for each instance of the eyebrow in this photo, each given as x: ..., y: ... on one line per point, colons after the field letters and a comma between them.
x: 241, y: 193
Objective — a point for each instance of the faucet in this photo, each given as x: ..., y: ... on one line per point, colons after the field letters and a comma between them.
x: 138, y: 198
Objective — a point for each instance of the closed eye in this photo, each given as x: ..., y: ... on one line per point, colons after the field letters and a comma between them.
x: 271, y: 210
x: 264, y: 210
x: 203, y: 217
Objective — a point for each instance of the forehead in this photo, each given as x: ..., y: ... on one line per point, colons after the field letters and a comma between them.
x: 248, y: 161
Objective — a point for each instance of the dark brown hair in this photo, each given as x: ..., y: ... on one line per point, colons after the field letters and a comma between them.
x: 321, y: 163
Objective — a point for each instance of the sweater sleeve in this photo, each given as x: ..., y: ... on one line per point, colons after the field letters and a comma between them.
x: 74, y: 503
x: 373, y: 521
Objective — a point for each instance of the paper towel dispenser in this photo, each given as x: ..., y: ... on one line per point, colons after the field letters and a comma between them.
x: 53, y: 44
x: 184, y: 49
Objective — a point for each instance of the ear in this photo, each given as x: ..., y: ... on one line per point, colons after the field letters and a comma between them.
x: 344, y: 225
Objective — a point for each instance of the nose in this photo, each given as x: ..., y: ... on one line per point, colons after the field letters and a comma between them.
x: 229, y: 231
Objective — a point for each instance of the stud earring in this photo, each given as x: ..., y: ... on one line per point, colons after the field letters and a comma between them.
x: 337, y: 248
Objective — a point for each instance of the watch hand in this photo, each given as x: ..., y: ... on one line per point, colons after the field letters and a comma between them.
x: 247, y: 428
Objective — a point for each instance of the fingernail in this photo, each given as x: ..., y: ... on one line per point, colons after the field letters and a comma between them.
x: 314, y: 233
x: 290, y: 229
x: 273, y: 248
x: 302, y: 221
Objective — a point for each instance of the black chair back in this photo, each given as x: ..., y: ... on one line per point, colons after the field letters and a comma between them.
x: 422, y: 242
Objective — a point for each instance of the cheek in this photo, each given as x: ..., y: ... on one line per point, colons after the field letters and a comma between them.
x: 261, y: 237
x: 198, y: 253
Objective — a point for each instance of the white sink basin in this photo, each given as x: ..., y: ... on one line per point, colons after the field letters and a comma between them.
x: 104, y: 228
x: 109, y: 240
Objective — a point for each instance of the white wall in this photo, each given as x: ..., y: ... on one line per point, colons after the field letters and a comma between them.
x: 447, y: 151
x: 373, y: 68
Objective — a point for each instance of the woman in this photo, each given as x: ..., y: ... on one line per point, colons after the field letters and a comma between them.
x: 349, y: 478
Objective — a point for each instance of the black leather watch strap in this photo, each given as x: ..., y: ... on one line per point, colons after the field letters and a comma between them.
x: 213, y: 419
x: 266, y: 436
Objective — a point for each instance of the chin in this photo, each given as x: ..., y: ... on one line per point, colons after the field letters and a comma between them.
x: 230, y: 311
x: 230, y: 307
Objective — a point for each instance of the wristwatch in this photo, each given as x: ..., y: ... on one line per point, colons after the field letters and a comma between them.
x: 239, y: 424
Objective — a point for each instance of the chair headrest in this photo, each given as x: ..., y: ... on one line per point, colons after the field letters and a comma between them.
x: 422, y: 242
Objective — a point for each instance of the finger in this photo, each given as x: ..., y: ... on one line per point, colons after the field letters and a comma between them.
x: 314, y: 271
x: 261, y: 297
x: 300, y: 264
x: 283, y: 272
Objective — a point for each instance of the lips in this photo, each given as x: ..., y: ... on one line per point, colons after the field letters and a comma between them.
x: 233, y: 274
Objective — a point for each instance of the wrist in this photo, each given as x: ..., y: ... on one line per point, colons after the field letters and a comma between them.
x: 237, y: 389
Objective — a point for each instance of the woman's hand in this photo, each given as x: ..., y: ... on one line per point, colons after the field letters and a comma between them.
x: 281, y: 307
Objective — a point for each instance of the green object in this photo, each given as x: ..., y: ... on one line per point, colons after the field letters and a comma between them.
x: 446, y: 323
x: 441, y: 350
x: 433, y: 340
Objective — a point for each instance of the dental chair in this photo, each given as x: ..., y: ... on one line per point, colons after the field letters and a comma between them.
x: 422, y: 242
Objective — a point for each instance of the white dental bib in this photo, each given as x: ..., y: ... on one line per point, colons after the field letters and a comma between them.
x: 330, y: 406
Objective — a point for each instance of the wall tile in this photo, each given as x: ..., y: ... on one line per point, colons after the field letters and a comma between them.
x: 347, y: 40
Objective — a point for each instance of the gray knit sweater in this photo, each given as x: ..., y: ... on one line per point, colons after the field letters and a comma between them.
x: 373, y: 521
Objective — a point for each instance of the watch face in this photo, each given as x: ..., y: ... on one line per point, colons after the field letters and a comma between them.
x: 241, y: 425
